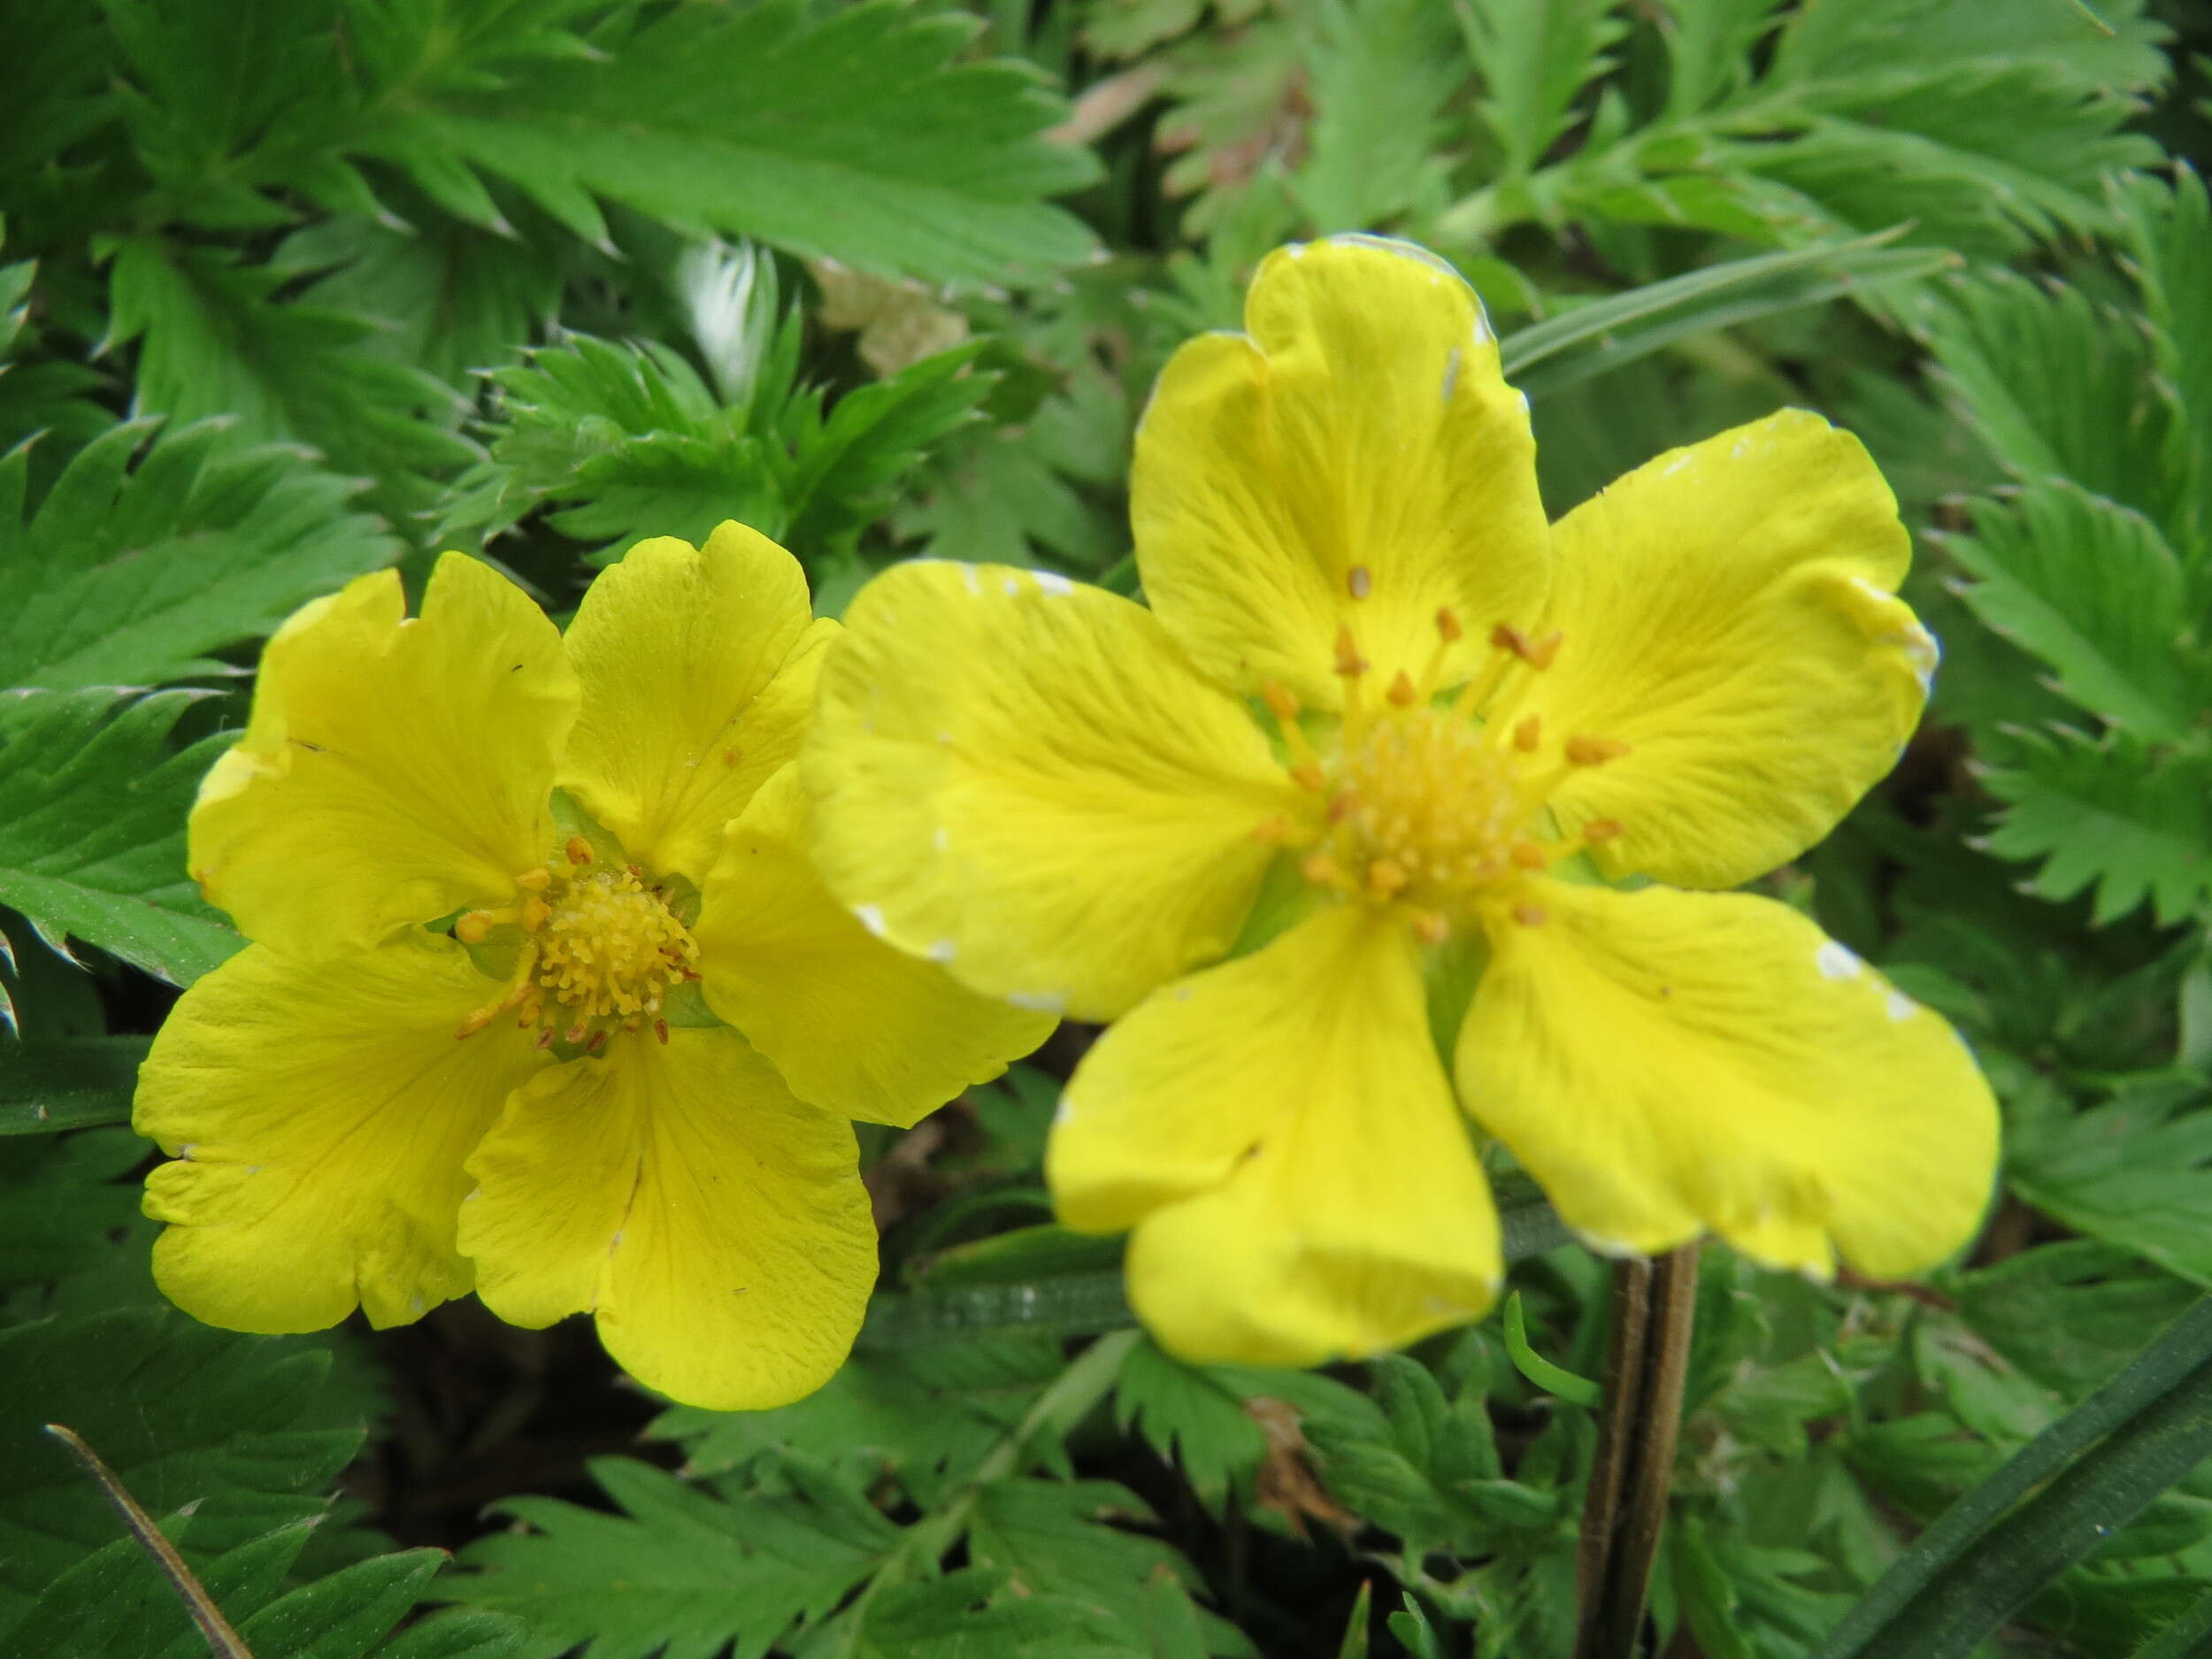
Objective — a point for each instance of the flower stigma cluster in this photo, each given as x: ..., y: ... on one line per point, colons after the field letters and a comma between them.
x: 1438, y: 809
x: 600, y: 950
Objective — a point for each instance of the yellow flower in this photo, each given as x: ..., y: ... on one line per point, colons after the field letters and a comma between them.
x: 1376, y: 742
x: 483, y: 866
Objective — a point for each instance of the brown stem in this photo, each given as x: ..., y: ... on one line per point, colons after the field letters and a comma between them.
x: 1646, y: 1363
x: 222, y: 1641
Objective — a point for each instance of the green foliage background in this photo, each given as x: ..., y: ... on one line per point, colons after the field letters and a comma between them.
x: 294, y: 290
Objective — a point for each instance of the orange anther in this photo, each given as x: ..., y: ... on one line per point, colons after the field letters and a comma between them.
x: 471, y: 929
x: 535, y: 911
x: 534, y: 880
x: 1506, y: 637
x: 1340, y: 805
x: 1386, y: 876
x: 1280, y: 703
x: 1528, y: 855
x: 1431, y: 928
x: 1447, y: 626
x: 1307, y: 774
x: 598, y: 1041
x: 1529, y: 915
x: 1545, y: 651
x: 579, y: 850
x: 1593, y: 751
x: 1359, y: 581
x: 660, y: 1030
x: 1273, y: 830
x: 1528, y: 734
x: 1350, y: 662
x: 477, y: 1021
x: 1401, y: 691
x: 1319, y: 867
x: 1600, y: 829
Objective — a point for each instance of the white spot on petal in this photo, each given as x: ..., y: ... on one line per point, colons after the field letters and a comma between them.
x: 1837, y: 962
x: 972, y: 577
x: 1901, y: 1007
x: 1451, y: 374
x: 475, y: 1193
x: 945, y: 739
x: 1039, y: 1002
x: 942, y: 950
x: 417, y: 1307
x: 1053, y: 582
x: 1740, y: 449
x: 871, y: 919
x: 187, y: 1149
x: 1063, y: 1111
x: 1013, y: 584
x: 941, y: 838
x: 1675, y: 465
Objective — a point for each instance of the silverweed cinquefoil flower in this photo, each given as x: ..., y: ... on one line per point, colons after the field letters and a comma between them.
x: 1326, y: 831
x: 545, y: 998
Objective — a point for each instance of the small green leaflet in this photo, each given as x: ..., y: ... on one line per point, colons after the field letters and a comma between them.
x: 92, y: 808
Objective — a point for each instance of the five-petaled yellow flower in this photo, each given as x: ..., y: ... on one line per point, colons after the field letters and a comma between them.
x: 1326, y: 829
x: 545, y: 997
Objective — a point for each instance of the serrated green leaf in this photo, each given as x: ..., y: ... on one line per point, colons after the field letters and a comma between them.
x: 2058, y: 388
x: 127, y: 575
x: 1191, y: 1418
x: 457, y: 1634
x: 2093, y: 590
x: 924, y: 1414
x: 970, y: 1614
x: 1054, y: 1539
x: 857, y: 135
x: 2108, y: 815
x: 216, y: 340
x: 2070, y: 1314
x: 2130, y: 1172
x: 1382, y: 73
x: 2169, y: 232
x: 92, y: 810
x: 1535, y: 58
x: 345, y: 1615
x: 244, y: 1427
x: 679, y: 1572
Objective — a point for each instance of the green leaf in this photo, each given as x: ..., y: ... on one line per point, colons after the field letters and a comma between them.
x: 61, y: 1198
x: 46, y: 1087
x: 1535, y: 58
x: 1579, y: 1391
x: 2107, y: 815
x: 2131, y: 1172
x: 976, y: 1613
x: 92, y: 810
x: 2058, y: 388
x: 2094, y: 591
x: 916, y: 1413
x: 1601, y: 334
x: 244, y: 1427
x: 2071, y: 1314
x: 677, y: 1571
x: 344, y: 1616
x: 216, y: 340
x: 1382, y: 74
x: 2169, y: 233
x: 629, y: 440
x: 128, y: 575
x: 1052, y: 1536
x: 1191, y: 1417
x: 859, y: 135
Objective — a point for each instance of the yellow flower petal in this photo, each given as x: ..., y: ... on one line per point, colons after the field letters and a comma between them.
x: 1022, y: 777
x: 1668, y: 1062
x: 855, y: 1027
x: 1361, y: 441
x: 393, y: 771
x: 698, y: 667
x: 1728, y: 611
x: 1280, y: 1131
x: 715, y: 1225
x: 319, y: 1115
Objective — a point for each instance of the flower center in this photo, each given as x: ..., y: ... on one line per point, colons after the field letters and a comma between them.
x: 1436, y: 810
x: 600, y: 950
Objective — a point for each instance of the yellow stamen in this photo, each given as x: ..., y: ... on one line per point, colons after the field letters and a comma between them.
x: 1403, y: 693
x: 1593, y: 751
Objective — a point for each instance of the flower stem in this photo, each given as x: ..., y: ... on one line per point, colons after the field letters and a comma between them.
x: 1646, y: 1360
